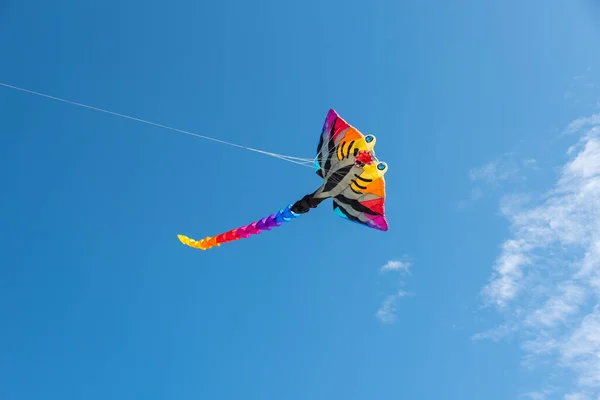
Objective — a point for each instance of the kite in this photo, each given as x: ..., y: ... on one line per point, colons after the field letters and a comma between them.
x: 352, y: 176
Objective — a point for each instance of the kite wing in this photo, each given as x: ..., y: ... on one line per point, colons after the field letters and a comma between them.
x: 363, y: 200
x: 339, y: 142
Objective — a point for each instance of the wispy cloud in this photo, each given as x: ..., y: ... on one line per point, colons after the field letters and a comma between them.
x: 546, y: 279
x: 583, y: 123
x: 496, y: 334
x: 577, y: 396
x: 500, y: 169
x: 539, y: 395
x: 490, y: 176
x: 396, y: 265
x: 530, y: 163
x: 583, y: 88
x: 387, y: 311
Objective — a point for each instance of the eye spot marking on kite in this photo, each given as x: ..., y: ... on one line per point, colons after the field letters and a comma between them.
x: 370, y: 141
x: 381, y: 166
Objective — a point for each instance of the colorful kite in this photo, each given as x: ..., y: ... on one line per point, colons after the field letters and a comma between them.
x: 352, y: 176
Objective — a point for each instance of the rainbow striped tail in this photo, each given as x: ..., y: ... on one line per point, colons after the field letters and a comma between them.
x: 264, y: 224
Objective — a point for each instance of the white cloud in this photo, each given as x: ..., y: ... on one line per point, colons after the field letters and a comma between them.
x: 396, y: 265
x: 536, y: 396
x: 577, y: 396
x: 582, y: 123
x: 558, y: 307
x: 546, y: 279
x: 492, y: 175
x: 583, y: 89
x: 500, y: 169
x: 497, y: 333
x: 581, y: 351
x: 387, y: 311
x: 530, y: 163
x: 540, y: 395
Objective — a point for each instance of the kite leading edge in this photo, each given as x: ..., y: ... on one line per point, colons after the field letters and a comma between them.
x: 352, y: 176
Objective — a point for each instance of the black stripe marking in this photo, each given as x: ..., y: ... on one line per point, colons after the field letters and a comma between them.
x: 363, y: 179
x: 357, y: 185
x: 337, y: 177
x: 350, y: 216
x: 355, y: 204
x: 350, y: 148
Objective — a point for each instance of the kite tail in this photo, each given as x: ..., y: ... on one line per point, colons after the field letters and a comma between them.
x: 264, y: 224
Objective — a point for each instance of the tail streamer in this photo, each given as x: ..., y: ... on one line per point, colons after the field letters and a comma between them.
x: 243, y: 232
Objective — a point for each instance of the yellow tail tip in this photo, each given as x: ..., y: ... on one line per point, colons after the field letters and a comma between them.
x: 193, y: 243
x: 183, y: 239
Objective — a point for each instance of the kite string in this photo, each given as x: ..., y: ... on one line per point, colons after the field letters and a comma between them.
x: 296, y: 160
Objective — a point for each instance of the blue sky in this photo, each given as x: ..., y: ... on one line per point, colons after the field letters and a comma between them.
x: 486, y: 113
